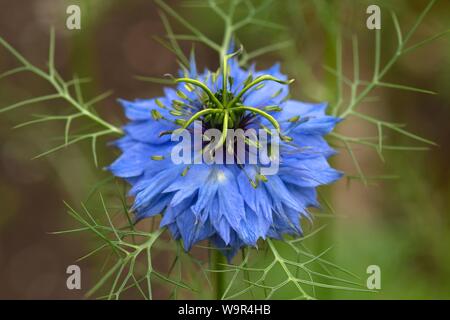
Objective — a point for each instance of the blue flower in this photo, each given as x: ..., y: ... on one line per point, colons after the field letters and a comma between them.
x: 230, y: 204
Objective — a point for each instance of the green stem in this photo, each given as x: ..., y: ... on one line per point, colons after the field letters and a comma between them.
x: 220, y: 281
x: 217, y: 256
x: 224, y: 56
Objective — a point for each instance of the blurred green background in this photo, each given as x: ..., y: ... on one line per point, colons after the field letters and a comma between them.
x: 401, y: 225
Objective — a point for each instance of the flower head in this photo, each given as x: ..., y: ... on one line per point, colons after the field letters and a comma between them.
x: 233, y: 205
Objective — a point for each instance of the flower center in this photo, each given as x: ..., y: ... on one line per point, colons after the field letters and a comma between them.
x: 224, y: 109
x: 237, y: 118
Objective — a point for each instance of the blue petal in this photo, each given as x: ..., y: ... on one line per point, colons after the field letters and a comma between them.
x: 293, y: 108
x: 156, y: 207
x: 185, y: 186
x: 280, y: 194
x: 149, y: 131
x: 219, y: 222
x: 231, y: 204
x: 147, y: 189
x: 139, y: 109
x: 308, y: 173
x: 306, y: 146
x: 271, y: 93
x: 192, y: 230
x: 317, y: 126
x: 133, y: 161
x: 172, y: 212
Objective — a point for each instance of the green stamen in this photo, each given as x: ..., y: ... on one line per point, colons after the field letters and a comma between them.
x: 294, y: 119
x: 273, y: 108
x: 185, y: 171
x: 178, y: 102
x: 189, y: 87
x: 156, y: 115
x: 176, y: 113
x: 286, y: 138
x: 180, y: 122
x: 248, y: 80
x: 261, y: 177
x: 282, y: 137
x: 276, y: 94
x: 181, y: 94
x: 160, y: 104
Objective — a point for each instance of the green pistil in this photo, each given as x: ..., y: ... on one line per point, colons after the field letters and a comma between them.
x: 222, y: 106
x: 199, y: 114
x: 261, y: 113
x: 271, y: 119
x: 223, y: 137
x: 202, y: 86
x: 225, y: 72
